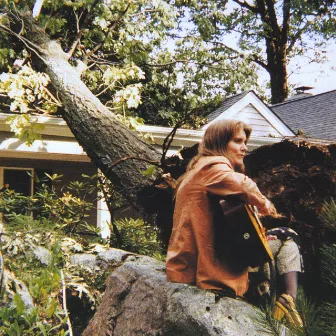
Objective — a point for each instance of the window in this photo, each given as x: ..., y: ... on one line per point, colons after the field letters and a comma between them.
x: 19, y: 179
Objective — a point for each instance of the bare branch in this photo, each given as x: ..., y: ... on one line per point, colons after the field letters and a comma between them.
x: 110, y: 28
x: 77, y: 40
x: 80, y: 32
x: 170, y: 137
x: 29, y: 45
x: 65, y: 305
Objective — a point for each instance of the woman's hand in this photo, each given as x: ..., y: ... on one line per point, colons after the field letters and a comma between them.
x: 270, y: 210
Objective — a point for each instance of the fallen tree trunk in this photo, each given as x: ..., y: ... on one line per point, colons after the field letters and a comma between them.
x: 116, y: 150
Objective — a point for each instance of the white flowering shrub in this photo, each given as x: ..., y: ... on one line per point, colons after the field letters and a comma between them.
x: 27, y: 92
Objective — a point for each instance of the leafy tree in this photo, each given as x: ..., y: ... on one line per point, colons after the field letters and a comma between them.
x: 121, y: 50
x: 114, y: 149
x: 104, y: 40
x: 269, y: 33
x: 89, y: 61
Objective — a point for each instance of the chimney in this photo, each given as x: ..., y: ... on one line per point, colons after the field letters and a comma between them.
x: 300, y: 92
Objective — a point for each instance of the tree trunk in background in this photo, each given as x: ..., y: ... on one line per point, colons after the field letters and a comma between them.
x: 277, y: 69
x: 97, y: 130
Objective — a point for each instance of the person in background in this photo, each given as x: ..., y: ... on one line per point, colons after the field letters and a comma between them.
x: 217, y: 172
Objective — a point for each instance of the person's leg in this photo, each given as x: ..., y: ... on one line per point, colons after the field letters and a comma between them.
x: 289, y: 282
x: 287, y: 259
x: 288, y: 266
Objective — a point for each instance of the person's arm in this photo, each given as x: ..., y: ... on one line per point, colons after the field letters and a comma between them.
x: 221, y: 180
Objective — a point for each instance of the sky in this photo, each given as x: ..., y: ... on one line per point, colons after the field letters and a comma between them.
x: 322, y: 77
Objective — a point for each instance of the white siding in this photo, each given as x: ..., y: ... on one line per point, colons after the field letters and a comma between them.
x: 260, y: 126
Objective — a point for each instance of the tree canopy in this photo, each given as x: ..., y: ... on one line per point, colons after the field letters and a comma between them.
x: 125, y: 54
x: 267, y: 33
x: 95, y: 61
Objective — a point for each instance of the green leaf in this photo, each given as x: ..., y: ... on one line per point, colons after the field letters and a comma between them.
x: 19, y: 304
x: 149, y: 172
x: 42, y: 328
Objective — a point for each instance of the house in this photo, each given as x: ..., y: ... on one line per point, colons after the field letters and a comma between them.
x: 313, y: 116
x: 267, y: 127
x: 56, y: 153
x: 59, y: 153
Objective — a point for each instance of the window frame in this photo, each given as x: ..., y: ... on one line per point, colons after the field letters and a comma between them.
x: 31, y: 171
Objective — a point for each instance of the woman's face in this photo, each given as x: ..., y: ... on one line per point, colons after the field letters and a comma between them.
x: 236, y: 150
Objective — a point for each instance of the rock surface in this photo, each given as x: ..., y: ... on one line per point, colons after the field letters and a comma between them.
x: 138, y: 300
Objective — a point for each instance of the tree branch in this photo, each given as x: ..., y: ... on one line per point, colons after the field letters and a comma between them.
x: 273, y: 18
x: 286, y: 20
x: 170, y: 137
x: 162, y: 65
x: 297, y: 36
x: 262, y: 10
x: 29, y: 45
x: 257, y: 60
x: 110, y: 28
x: 248, y: 6
x: 65, y: 309
x: 229, y: 48
x: 80, y: 31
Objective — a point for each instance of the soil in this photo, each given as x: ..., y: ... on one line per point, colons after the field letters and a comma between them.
x: 298, y: 177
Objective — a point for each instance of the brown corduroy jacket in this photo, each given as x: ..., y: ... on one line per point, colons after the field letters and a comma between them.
x: 191, y: 257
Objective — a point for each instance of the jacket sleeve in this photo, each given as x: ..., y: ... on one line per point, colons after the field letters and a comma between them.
x: 221, y: 180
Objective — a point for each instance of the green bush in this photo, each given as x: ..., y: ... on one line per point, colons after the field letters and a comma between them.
x: 138, y: 237
x: 57, y: 222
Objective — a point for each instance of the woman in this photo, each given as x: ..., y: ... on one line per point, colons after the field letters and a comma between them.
x: 216, y: 172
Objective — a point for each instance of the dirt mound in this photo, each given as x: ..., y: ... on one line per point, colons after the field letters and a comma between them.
x: 298, y: 177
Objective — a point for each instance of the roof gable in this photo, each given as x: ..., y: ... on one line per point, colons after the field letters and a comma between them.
x: 314, y: 115
x: 248, y: 107
x: 227, y: 103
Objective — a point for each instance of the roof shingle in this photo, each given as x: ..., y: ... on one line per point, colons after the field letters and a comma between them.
x: 314, y: 115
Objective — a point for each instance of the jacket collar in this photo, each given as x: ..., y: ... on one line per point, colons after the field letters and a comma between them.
x: 210, y: 160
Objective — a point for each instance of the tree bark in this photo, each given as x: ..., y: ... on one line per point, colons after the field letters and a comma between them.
x: 105, y: 140
x: 277, y: 68
x: 276, y: 43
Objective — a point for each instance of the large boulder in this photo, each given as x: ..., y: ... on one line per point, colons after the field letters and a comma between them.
x: 138, y: 300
